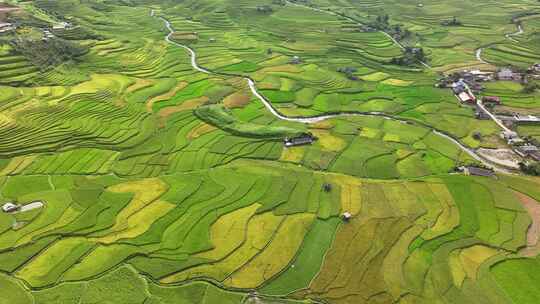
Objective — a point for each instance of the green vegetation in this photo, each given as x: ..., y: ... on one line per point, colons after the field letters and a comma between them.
x: 161, y: 183
x: 222, y: 118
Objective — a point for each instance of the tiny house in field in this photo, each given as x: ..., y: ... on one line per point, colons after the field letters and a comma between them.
x: 303, y: 139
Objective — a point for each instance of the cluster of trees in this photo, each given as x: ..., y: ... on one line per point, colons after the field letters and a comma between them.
x: 411, y: 56
x: 48, y: 53
x: 530, y: 87
x: 382, y: 23
x: 264, y: 9
x: 530, y: 168
x: 452, y: 22
x: 349, y: 72
x: 26, y: 20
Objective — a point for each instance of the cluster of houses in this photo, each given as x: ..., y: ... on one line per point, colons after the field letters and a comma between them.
x: 520, y: 146
x: 467, y: 83
x: 519, y: 119
x: 6, y: 27
x: 474, y: 78
x: 462, y: 92
x: 528, y: 151
x: 510, y: 75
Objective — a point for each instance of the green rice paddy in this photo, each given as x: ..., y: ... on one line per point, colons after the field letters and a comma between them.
x: 162, y: 184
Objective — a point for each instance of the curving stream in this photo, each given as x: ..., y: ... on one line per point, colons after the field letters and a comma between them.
x: 519, y: 32
x: 317, y: 118
x: 507, y: 36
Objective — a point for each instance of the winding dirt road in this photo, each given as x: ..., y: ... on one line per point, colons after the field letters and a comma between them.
x: 507, y: 36
x: 517, y: 33
x: 314, y: 119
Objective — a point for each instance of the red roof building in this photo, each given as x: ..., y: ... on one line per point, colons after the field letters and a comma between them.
x: 491, y: 99
x: 466, y: 97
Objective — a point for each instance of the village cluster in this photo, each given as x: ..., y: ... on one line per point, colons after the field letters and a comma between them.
x: 47, y: 33
x: 468, y: 84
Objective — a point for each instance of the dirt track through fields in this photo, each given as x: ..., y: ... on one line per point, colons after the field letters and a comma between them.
x: 533, y: 233
x: 315, y: 119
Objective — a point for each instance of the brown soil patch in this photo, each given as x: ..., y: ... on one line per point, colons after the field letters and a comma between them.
x: 266, y: 85
x: 237, y: 82
x: 186, y: 105
x: 533, y: 233
x: 511, y: 110
x: 200, y: 130
x: 139, y: 84
x: 236, y: 100
x: 323, y: 125
x: 166, y: 96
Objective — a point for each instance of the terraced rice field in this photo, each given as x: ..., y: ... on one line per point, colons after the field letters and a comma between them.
x: 165, y: 184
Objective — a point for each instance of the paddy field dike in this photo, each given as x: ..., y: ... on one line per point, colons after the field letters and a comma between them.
x: 165, y: 179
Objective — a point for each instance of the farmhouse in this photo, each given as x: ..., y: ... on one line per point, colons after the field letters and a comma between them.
x: 505, y: 74
x: 492, y: 100
x: 61, y: 26
x: 535, y: 68
x: 526, y: 119
x: 458, y: 88
x: 304, y: 139
x: 481, y: 75
x: 528, y: 151
x: 476, y: 87
x: 477, y: 75
x: 466, y: 97
x: 10, y: 207
x: 471, y: 170
x: 346, y: 216
x: 295, y: 60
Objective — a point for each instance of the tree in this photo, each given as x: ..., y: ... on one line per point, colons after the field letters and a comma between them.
x: 530, y: 168
x: 327, y: 187
x: 530, y: 87
x: 48, y: 53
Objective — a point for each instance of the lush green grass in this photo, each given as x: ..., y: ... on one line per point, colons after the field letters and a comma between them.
x: 514, y: 277
x: 162, y: 184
